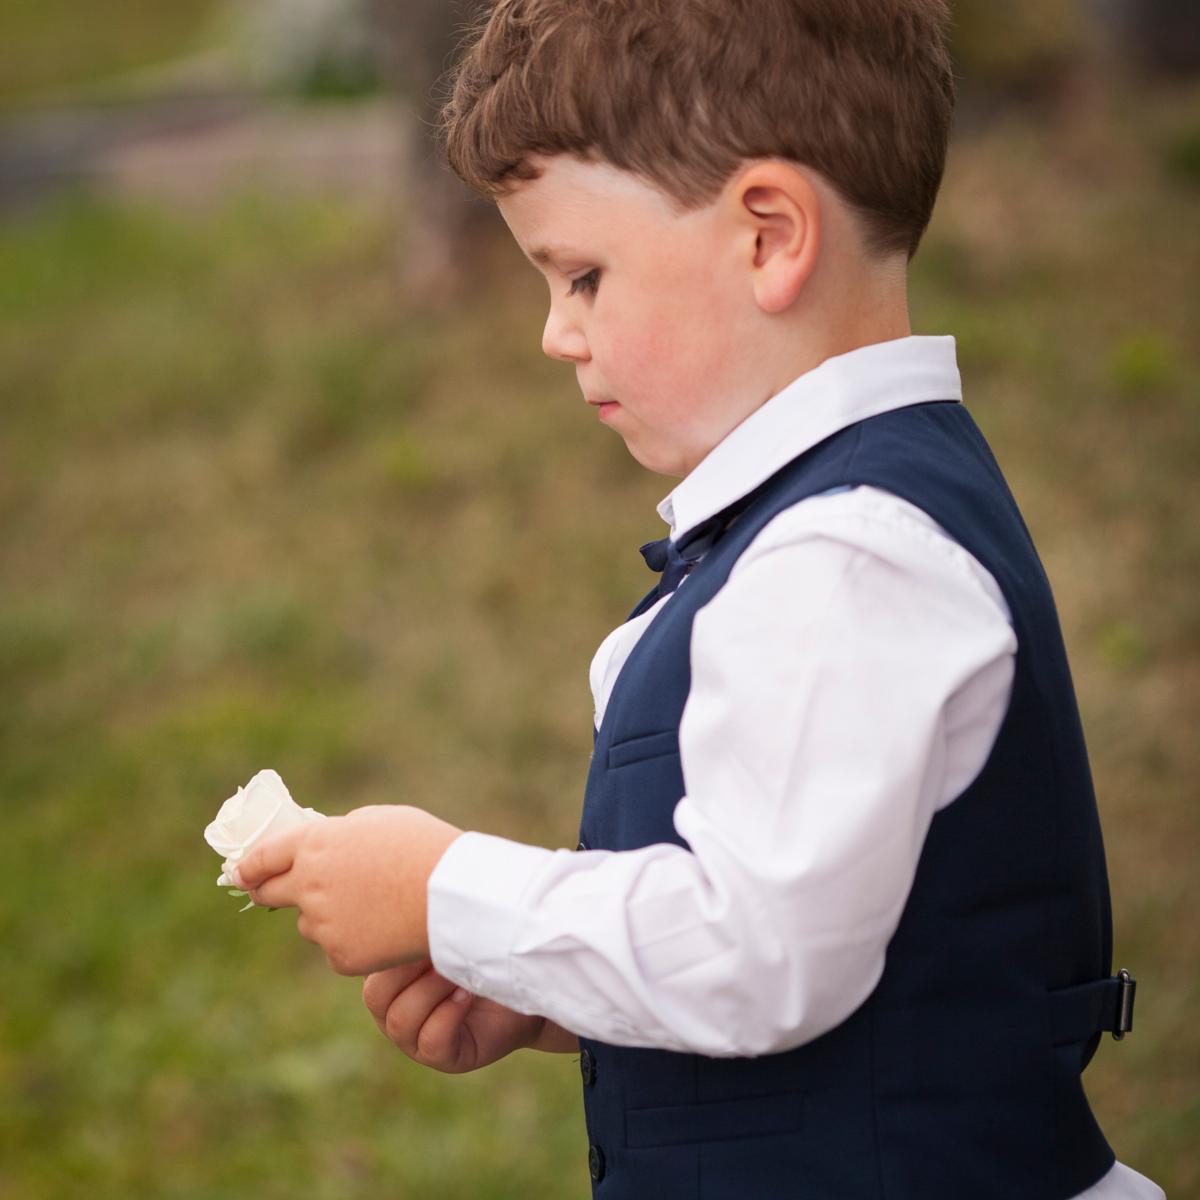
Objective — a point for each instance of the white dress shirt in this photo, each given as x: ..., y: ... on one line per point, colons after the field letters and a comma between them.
x: 848, y: 681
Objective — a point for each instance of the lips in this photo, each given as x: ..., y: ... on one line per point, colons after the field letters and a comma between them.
x: 604, y: 408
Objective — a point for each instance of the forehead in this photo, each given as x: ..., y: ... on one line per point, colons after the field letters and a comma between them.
x: 573, y: 200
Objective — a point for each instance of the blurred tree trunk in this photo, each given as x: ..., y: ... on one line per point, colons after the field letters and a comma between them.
x: 1017, y: 51
x: 1163, y: 36
x: 419, y: 42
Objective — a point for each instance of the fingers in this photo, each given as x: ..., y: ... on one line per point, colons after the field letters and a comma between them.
x: 410, y: 1009
x: 440, y: 1038
x: 272, y: 857
x: 382, y: 987
x: 279, y: 891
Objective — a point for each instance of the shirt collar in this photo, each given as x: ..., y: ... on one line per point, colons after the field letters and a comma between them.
x: 837, y: 393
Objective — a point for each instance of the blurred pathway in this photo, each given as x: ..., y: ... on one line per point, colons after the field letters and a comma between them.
x: 188, y: 136
x: 353, y: 147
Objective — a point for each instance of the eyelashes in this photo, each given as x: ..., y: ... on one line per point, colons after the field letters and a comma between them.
x: 587, y: 284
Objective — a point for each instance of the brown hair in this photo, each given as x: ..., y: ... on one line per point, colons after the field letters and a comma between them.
x: 680, y: 92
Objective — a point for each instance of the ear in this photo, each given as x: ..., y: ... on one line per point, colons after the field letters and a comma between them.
x: 780, y: 212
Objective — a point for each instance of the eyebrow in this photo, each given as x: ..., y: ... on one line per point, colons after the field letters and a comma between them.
x: 544, y: 255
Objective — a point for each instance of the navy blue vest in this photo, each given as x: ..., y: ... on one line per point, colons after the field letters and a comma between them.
x: 959, y: 1077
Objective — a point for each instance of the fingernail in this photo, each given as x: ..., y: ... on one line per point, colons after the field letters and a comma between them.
x: 460, y: 996
x: 236, y: 876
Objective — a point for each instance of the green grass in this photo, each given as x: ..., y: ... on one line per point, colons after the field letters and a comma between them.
x: 253, y: 514
x: 52, y: 47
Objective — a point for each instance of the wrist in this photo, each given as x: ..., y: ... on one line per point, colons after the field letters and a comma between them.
x: 554, y: 1039
x: 436, y: 841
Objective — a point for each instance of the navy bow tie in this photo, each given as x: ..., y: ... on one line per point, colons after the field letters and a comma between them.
x: 675, y: 559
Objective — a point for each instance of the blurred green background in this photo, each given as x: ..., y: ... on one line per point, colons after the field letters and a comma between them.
x: 260, y: 505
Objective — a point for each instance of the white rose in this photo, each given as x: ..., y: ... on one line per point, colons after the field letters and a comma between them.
x: 263, y: 807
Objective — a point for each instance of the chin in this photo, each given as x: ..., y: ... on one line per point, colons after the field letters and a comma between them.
x: 660, y: 460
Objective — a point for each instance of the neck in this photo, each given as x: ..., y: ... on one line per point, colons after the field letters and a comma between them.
x: 873, y: 309
x: 881, y: 316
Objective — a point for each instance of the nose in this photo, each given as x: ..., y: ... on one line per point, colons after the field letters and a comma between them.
x: 562, y: 338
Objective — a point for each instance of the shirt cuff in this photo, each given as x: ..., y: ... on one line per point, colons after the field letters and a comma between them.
x: 474, y: 912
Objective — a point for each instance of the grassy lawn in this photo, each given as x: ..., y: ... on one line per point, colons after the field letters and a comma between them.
x: 53, y: 46
x: 252, y: 514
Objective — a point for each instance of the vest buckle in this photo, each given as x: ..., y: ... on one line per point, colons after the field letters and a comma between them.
x: 1126, y: 989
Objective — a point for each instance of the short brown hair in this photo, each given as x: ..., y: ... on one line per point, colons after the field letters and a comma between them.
x: 679, y: 92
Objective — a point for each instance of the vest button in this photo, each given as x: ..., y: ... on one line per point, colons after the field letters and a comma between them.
x: 582, y: 846
x: 587, y: 1067
x: 596, y: 1162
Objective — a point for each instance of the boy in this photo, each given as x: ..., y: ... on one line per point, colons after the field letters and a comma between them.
x: 838, y: 923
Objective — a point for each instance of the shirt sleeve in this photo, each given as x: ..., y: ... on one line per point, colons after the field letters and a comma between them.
x: 847, y: 681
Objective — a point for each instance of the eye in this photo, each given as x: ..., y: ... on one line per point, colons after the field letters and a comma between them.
x: 586, y: 283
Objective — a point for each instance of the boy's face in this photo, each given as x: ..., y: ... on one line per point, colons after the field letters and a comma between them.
x: 652, y: 307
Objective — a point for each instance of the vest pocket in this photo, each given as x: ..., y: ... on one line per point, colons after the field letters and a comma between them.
x: 637, y: 749
x: 714, y: 1121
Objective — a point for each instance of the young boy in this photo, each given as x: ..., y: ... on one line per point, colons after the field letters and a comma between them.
x: 838, y: 922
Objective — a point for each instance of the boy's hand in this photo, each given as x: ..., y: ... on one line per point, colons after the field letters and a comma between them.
x: 359, y: 882
x: 441, y: 1026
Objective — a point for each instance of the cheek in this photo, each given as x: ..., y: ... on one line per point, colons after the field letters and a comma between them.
x: 685, y: 362
x: 651, y: 371
x: 661, y: 349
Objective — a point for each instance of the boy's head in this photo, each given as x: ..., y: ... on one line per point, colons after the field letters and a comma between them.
x: 679, y: 92
x: 723, y: 179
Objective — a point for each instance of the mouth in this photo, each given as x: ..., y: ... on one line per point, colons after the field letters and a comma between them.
x: 604, y: 408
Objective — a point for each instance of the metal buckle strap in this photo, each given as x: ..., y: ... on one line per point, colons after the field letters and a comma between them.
x: 1126, y: 990
x: 1103, y: 1006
